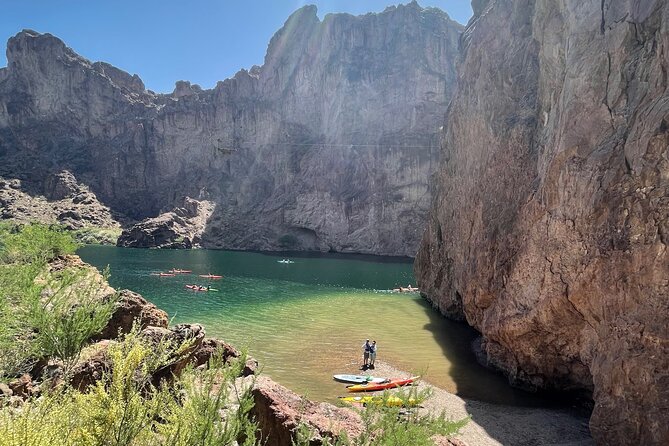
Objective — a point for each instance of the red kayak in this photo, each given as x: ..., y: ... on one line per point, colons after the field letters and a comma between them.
x: 390, y: 384
x: 210, y: 276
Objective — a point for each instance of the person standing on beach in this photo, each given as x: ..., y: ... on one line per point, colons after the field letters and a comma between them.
x: 372, y: 354
x: 366, y: 347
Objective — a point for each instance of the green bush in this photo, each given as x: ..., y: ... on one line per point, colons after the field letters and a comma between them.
x: 42, y: 313
x: 68, y: 314
x: 126, y: 409
x: 97, y: 236
x: 34, y: 243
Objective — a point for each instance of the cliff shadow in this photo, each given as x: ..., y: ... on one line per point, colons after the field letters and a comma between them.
x: 510, y: 415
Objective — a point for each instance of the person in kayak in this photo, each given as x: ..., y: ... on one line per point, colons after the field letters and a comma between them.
x: 365, y: 354
x: 372, y: 354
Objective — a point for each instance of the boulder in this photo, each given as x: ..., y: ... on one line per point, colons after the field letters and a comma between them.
x: 210, y: 346
x: 92, y: 369
x: 23, y: 386
x: 279, y: 411
x: 182, y: 227
x: 61, y: 185
x: 132, y: 308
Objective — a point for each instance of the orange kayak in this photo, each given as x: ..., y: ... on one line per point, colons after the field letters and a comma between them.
x: 391, y: 384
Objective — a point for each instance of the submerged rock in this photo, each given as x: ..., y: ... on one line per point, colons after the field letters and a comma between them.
x: 548, y: 230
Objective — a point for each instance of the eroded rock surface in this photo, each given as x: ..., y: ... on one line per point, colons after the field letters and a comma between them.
x: 279, y: 411
x: 327, y: 146
x: 548, y: 230
x: 62, y: 199
x: 182, y: 227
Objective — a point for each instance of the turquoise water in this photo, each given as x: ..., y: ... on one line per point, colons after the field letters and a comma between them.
x: 307, y: 320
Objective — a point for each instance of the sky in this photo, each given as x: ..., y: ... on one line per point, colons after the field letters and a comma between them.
x: 162, y: 41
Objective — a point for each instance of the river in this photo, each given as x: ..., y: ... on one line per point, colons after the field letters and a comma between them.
x: 307, y: 320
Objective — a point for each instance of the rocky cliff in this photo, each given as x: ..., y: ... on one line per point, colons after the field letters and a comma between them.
x: 327, y: 146
x: 549, y: 225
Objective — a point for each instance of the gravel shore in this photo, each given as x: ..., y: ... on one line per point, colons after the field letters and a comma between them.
x: 493, y: 424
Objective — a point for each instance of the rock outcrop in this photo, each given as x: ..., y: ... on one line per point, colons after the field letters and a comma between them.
x: 280, y: 411
x: 548, y: 229
x: 132, y: 309
x: 61, y: 200
x: 180, y: 228
x: 327, y: 146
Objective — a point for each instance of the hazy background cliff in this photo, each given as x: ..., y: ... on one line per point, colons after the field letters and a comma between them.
x: 549, y: 225
x: 329, y: 145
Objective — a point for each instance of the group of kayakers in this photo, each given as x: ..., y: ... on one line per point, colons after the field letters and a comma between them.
x: 408, y: 289
x: 368, y: 355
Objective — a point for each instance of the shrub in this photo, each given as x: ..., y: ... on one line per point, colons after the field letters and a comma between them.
x: 97, y: 236
x: 126, y: 409
x: 34, y: 243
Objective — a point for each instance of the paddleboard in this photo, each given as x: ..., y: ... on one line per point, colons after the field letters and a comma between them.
x: 358, y: 379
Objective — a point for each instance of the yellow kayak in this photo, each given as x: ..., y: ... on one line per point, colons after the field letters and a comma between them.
x: 390, y: 401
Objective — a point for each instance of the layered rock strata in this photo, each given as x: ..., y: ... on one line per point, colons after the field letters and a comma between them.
x: 327, y: 146
x: 548, y: 229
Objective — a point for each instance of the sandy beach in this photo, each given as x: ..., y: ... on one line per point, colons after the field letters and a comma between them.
x: 493, y: 425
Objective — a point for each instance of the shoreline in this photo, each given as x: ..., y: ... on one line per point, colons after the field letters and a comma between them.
x: 494, y: 424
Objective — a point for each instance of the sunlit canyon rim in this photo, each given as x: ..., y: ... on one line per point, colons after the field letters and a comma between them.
x: 328, y: 145
x: 550, y: 221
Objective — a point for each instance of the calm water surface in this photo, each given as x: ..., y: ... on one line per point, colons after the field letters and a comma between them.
x: 307, y: 320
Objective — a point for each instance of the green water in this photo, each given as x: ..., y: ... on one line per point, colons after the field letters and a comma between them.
x: 307, y: 320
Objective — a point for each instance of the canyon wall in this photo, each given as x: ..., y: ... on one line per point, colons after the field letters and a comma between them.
x: 327, y: 146
x: 550, y: 220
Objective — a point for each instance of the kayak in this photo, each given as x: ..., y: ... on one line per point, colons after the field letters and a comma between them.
x: 181, y: 271
x: 163, y: 274
x: 358, y: 379
x: 210, y: 276
x: 390, y: 401
x: 370, y: 387
x: 199, y: 288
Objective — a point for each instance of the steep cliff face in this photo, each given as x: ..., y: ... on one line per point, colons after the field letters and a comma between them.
x: 548, y: 229
x: 328, y: 145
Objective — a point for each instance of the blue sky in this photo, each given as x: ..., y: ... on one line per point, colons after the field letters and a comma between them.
x: 163, y: 41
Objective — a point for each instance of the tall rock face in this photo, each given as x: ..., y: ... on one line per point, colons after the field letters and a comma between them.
x: 550, y: 220
x: 327, y: 146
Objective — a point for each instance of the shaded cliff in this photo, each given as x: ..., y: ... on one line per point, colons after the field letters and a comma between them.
x: 548, y: 229
x: 327, y: 146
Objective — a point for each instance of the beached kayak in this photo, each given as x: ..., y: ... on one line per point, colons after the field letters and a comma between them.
x: 358, y: 379
x: 211, y: 276
x: 371, y: 387
x: 390, y: 401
